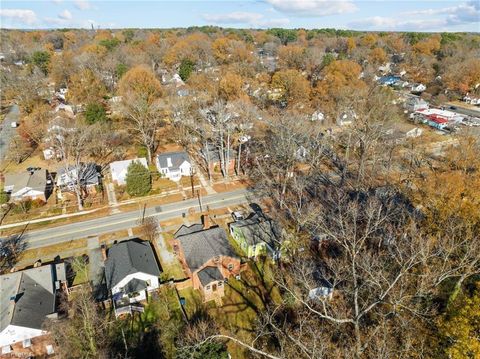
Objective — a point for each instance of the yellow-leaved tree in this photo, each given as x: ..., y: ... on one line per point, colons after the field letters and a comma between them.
x: 459, y: 328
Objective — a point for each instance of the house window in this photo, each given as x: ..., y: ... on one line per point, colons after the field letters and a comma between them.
x: 208, y: 287
x: 230, y: 266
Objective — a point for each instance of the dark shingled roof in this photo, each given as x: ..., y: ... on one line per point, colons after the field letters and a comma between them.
x: 201, y: 246
x: 177, y: 159
x: 259, y: 228
x: 188, y: 229
x: 135, y: 285
x: 209, y: 274
x: 127, y: 258
x: 32, y: 304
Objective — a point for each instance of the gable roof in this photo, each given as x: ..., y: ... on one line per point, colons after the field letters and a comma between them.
x: 209, y: 274
x: 197, y: 227
x: 202, y: 245
x: 36, y: 180
x: 119, y: 169
x: 176, y: 159
x: 259, y: 228
x: 88, y: 175
x: 129, y: 257
x: 28, y: 296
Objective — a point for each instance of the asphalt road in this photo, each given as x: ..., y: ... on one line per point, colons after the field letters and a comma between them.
x: 121, y: 221
x: 463, y: 110
x: 7, y: 132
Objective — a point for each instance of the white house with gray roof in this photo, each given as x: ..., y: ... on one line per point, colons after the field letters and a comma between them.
x: 27, y: 299
x: 119, y: 169
x: 174, y: 165
x: 131, y: 271
x: 27, y: 185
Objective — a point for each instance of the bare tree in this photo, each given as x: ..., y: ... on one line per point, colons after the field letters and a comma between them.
x: 72, y: 144
x: 85, y: 334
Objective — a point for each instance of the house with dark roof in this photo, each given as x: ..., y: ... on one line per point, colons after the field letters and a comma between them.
x: 174, y: 165
x: 207, y: 258
x: 27, y: 299
x: 131, y: 272
x: 257, y: 235
x: 28, y: 185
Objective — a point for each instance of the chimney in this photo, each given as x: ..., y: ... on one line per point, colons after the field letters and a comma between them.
x: 104, y: 252
x: 169, y: 162
x: 206, y: 221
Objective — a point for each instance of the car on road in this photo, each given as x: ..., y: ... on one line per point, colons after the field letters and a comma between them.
x: 14, y: 124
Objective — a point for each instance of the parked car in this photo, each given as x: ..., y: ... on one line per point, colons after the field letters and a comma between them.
x: 14, y: 124
x: 237, y: 216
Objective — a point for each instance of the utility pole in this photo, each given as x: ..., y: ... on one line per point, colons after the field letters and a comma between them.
x: 143, y: 211
x: 192, y: 172
x: 199, y: 200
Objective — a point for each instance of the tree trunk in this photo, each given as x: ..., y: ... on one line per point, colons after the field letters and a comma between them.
x: 149, y: 153
x: 239, y: 158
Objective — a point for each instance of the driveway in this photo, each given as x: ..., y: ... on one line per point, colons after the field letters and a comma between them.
x: 6, y: 130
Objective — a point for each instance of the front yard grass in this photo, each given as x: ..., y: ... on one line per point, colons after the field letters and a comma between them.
x: 48, y: 253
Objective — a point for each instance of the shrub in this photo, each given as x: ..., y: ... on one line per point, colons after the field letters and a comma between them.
x: 186, y: 69
x: 139, y: 180
x: 142, y: 151
x: 95, y: 112
x: 4, y: 197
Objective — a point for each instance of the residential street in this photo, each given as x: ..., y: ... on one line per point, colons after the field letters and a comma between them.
x: 6, y: 130
x: 119, y: 221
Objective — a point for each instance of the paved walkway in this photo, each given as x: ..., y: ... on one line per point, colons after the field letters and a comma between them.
x: 166, y: 256
x: 112, y: 198
x: 205, y: 183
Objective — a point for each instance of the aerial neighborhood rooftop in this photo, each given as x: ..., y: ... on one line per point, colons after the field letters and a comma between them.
x: 239, y: 192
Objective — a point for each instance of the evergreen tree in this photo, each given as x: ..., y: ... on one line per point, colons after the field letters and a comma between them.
x: 139, y: 180
x: 186, y: 68
x: 95, y: 112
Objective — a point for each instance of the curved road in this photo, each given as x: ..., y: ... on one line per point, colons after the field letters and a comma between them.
x: 125, y: 220
x: 7, y: 131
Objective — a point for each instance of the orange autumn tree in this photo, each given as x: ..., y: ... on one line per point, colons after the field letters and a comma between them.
x: 292, y: 56
x: 294, y: 85
x: 351, y: 45
x: 463, y: 76
x: 428, y: 46
x: 378, y: 55
x: 140, y: 81
x: 230, y: 87
x: 339, y: 76
x: 85, y: 87
x: 227, y: 50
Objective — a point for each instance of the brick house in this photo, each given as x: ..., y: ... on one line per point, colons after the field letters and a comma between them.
x: 207, y: 258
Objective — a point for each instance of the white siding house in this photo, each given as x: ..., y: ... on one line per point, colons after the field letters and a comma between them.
x: 174, y: 165
x: 119, y: 169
